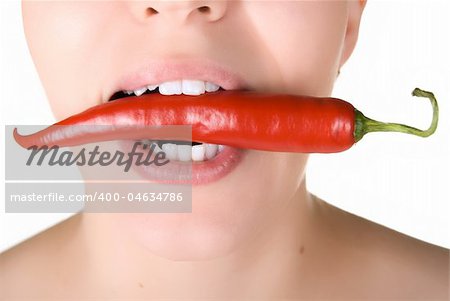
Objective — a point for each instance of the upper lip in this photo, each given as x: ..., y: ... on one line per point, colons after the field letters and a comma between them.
x: 162, y: 70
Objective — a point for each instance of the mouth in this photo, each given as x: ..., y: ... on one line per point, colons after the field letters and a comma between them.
x: 177, y: 150
x: 191, y: 162
x: 178, y: 87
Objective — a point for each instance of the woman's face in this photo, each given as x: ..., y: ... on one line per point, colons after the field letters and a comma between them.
x: 84, y: 50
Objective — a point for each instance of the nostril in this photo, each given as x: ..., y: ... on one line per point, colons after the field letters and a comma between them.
x: 204, y: 9
x: 151, y: 11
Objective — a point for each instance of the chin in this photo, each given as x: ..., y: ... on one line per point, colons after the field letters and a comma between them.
x: 216, y: 227
x: 185, y: 236
x: 225, y: 216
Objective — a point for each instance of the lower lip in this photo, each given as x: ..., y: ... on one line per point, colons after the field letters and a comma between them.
x: 191, y: 173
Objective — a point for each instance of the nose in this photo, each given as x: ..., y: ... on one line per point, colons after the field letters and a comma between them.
x: 180, y: 11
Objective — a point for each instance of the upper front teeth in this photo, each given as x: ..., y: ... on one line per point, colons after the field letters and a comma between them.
x: 191, y: 87
x: 185, y: 86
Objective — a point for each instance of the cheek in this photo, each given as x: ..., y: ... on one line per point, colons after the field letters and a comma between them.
x: 305, y: 39
x: 63, y: 39
x: 226, y: 215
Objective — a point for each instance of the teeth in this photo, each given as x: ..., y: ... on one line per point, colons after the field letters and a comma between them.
x: 193, y: 87
x: 171, y: 151
x: 170, y: 88
x: 185, y: 86
x: 184, y: 152
x: 140, y: 91
x: 210, y: 87
x: 198, y: 152
x: 152, y: 87
x: 210, y: 150
x: 157, y: 148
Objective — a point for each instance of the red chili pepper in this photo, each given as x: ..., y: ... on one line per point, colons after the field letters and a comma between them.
x: 252, y: 120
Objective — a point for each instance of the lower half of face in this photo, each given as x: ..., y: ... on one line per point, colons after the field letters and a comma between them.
x: 87, y: 51
x: 224, y: 216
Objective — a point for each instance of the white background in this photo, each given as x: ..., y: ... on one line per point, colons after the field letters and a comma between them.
x: 396, y: 180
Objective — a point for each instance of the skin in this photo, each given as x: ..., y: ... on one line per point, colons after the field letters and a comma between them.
x: 267, y: 239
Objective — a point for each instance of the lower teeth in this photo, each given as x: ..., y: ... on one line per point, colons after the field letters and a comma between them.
x: 186, y: 152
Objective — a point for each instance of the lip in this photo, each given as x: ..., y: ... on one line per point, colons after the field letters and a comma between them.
x: 157, y: 71
x: 189, y: 173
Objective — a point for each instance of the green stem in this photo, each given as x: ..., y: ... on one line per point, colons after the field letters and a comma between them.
x: 364, y: 125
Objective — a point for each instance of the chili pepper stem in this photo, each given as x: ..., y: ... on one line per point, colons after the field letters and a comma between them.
x: 364, y: 125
